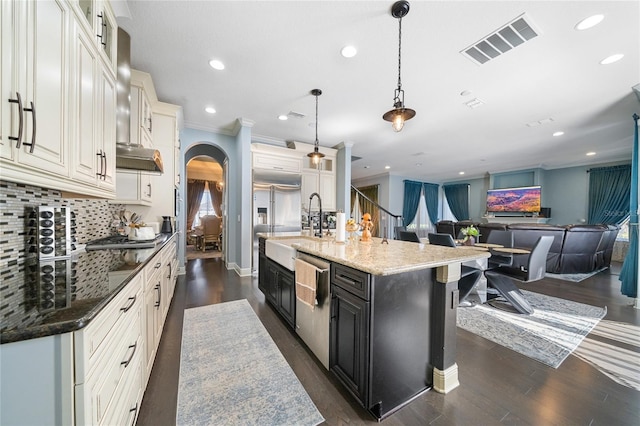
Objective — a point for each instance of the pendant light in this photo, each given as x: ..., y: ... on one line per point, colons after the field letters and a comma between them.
x: 316, y: 156
x: 399, y: 114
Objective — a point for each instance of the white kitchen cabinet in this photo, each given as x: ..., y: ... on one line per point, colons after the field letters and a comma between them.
x: 34, y: 94
x: 277, y: 162
x: 143, y: 95
x: 108, y: 356
x: 134, y: 188
x: 98, y: 22
x: 93, y: 104
x: 57, y: 109
x: 322, y: 180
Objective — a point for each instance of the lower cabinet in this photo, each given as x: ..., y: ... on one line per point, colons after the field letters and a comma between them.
x: 349, y: 334
x: 379, y: 339
x: 278, y: 285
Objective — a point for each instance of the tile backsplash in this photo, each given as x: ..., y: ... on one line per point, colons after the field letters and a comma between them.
x: 93, y: 220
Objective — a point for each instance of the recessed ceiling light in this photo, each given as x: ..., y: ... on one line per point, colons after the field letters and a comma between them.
x: 465, y: 93
x: 283, y: 117
x: 366, y: 167
x: 589, y: 22
x: 210, y: 110
x: 216, y: 64
x: 591, y: 153
x: 558, y: 134
x: 387, y: 167
x: 611, y: 59
x: 460, y: 173
x: 349, y: 51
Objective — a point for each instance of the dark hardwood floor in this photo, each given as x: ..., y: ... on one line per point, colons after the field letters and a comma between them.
x: 497, y: 385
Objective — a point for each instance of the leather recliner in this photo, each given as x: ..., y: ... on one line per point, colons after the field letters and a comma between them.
x: 580, y: 247
x: 525, y: 235
x: 609, y: 239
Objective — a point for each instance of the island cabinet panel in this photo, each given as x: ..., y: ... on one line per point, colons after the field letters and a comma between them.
x: 349, y: 347
x: 278, y: 285
x: 380, y: 341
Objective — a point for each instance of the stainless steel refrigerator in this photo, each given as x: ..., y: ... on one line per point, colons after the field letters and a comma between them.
x: 276, y: 206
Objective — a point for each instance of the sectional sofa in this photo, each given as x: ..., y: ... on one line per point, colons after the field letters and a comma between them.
x: 575, y: 248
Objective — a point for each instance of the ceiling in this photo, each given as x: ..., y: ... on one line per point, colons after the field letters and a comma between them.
x: 276, y: 52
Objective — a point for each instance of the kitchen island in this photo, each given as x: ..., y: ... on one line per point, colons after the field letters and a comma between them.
x: 393, y: 316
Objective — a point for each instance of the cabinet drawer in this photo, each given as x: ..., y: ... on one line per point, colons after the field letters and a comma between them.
x: 91, y: 340
x: 126, y: 405
x: 352, y: 280
x: 101, y: 390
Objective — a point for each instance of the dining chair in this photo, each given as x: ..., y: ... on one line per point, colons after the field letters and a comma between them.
x: 409, y: 236
x: 469, y: 276
x: 536, y: 265
x: 505, y: 239
x: 211, y: 229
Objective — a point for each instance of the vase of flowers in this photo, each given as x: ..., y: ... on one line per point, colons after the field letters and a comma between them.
x: 470, y: 233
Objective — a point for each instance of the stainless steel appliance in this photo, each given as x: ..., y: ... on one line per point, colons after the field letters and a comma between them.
x: 312, y: 325
x: 277, y: 206
x: 123, y: 242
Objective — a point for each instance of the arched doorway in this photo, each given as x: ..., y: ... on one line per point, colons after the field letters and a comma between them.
x: 205, y: 198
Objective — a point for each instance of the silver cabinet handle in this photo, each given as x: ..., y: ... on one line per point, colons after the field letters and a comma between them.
x: 126, y: 363
x: 133, y: 301
x: 18, y: 101
x: 159, y: 288
x: 99, y: 155
x: 32, y: 144
x: 103, y: 25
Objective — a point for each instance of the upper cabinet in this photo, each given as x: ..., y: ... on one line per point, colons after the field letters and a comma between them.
x: 98, y: 21
x: 57, y: 96
x: 142, y: 95
x: 320, y: 178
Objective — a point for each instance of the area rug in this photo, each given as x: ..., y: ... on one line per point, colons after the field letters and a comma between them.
x: 192, y: 253
x: 232, y: 373
x: 549, y: 335
x: 614, y: 349
x: 576, y: 278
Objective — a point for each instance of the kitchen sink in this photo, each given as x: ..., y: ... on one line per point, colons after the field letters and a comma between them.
x: 281, y: 251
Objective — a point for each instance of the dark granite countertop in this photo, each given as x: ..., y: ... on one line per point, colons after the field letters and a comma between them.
x: 84, y: 284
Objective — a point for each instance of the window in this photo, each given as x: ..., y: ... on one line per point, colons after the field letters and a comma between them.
x: 623, y: 233
x: 421, y: 224
x: 206, y: 206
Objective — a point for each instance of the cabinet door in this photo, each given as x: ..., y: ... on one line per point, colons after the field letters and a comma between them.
x: 287, y: 296
x: 272, y: 283
x: 309, y: 185
x: 8, y: 126
x: 43, y: 83
x: 263, y: 276
x: 327, y: 190
x: 84, y: 95
x: 349, y: 342
x: 107, y: 130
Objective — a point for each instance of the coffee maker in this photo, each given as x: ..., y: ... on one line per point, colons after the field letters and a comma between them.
x: 167, y: 226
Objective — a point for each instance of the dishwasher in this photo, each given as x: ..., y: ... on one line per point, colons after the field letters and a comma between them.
x: 312, y: 325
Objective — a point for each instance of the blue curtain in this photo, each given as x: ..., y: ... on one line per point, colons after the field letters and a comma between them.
x: 411, y: 200
x: 458, y: 199
x: 431, y: 198
x: 609, y: 191
x: 629, y: 272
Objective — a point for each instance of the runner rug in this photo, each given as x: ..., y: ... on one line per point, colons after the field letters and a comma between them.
x: 232, y: 373
x: 549, y: 335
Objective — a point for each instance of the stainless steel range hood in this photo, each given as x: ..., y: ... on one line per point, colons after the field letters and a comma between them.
x: 130, y: 156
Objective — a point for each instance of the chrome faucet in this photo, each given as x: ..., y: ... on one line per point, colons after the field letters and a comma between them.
x: 320, y: 220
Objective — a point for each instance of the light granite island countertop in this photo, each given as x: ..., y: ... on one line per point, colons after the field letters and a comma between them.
x: 379, y: 258
x: 402, y: 315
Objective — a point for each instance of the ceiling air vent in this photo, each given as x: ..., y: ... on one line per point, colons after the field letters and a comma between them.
x: 293, y: 114
x: 501, y: 41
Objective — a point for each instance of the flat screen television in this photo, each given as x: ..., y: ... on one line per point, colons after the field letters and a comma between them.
x: 514, y: 200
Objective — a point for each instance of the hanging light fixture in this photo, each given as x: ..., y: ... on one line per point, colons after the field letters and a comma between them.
x: 316, y: 156
x: 399, y: 114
